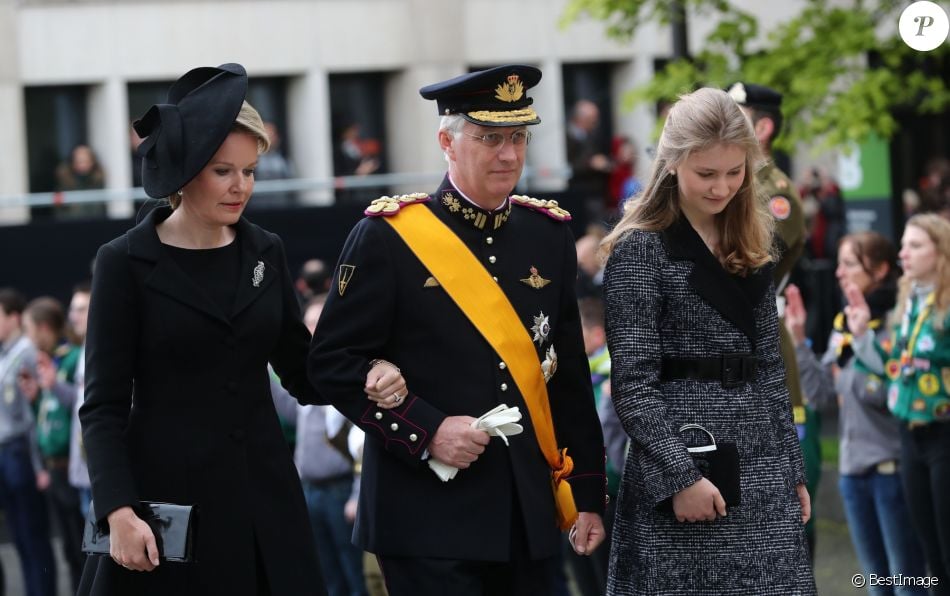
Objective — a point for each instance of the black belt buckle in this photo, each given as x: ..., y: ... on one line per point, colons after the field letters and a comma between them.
x: 734, y: 369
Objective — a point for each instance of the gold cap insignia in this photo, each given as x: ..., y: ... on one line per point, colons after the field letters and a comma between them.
x: 535, y: 281
x: 346, y: 273
x: 510, y: 90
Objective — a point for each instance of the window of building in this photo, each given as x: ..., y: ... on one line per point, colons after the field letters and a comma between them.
x: 358, y: 126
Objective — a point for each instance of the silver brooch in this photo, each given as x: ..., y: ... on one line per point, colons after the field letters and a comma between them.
x: 258, y: 274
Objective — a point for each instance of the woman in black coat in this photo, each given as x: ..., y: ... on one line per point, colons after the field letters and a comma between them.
x: 187, y: 310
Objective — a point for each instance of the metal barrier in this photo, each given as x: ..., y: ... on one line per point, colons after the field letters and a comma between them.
x: 421, y: 180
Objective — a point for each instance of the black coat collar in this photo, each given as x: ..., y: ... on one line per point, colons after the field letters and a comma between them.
x: 167, y: 277
x: 467, y: 212
x: 733, y: 296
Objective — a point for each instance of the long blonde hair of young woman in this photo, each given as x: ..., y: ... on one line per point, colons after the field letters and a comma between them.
x: 698, y: 121
x: 938, y: 229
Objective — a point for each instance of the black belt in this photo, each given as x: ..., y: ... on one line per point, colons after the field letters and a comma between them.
x: 732, y: 370
x: 319, y: 482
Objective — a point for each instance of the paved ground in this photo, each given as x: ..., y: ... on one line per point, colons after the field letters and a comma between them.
x: 835, y: 561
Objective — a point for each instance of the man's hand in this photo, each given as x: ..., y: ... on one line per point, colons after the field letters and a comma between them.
x: 699, y: 502
x: 456, y: 443
x: 42, y: 480
x: 587, y: 534
x: 349, y: 510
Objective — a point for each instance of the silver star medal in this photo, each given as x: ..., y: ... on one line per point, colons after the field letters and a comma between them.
x: 258, y: 274
x: 549, y: 366
x: 541, y: 328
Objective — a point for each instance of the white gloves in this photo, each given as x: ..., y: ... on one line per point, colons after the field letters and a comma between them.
x: 500, y: 421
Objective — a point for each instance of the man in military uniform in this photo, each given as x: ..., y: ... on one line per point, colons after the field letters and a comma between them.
x: 764, y: 107
x: 470, y: 292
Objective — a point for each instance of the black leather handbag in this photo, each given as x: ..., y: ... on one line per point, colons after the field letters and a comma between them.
x: 173, y: 526
x: 718, y: 463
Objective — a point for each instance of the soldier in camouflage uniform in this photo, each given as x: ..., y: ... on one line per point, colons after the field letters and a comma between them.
x: 763, y: 106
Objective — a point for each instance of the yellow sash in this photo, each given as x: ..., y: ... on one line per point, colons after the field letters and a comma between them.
x: 471, y: 287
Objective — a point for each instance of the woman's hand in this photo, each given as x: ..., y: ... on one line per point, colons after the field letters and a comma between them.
x: 805, y: 500
x: 857, y: 311
x: 795, y: 314
x: 699, y: 502
x: 385, y: 385
x: 131, y: 541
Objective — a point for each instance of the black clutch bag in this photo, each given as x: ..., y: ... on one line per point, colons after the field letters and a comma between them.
x: 718, y: 463
x: 173, y: 526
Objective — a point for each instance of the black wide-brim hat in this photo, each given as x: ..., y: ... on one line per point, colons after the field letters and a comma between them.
x: 181, y: 136
x: 493, y: 97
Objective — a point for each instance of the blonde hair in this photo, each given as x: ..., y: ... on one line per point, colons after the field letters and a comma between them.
x: 938, y: 229
x: 249, y: 122
x: 699, y: 121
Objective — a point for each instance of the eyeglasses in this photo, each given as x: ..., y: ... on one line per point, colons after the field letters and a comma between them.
x: 496, y: 140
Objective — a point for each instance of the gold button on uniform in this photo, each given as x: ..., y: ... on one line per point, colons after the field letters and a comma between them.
x: 413, y: 437
x: 492, y: 259
x: 504, y: 386
x: 489, y: 240
x: 502, y: 365
x: 494, y: 278
x: 394, y: 426
x: 379, y: 415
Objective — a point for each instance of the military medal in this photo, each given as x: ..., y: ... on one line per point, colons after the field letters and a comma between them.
x: 258, y: 275
x: 549, y: 366
x: 541, y: 328
x: 535, y: 281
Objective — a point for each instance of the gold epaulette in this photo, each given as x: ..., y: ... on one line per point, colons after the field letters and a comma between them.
x: 549, y: 208
x: 391, y: 205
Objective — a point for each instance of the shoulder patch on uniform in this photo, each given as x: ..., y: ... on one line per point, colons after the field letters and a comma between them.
x: 387, y: 206
x: 780, y: 207
x: 549, y: 208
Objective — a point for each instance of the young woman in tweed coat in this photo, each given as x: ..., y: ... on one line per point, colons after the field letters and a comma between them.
x: 693, y: 334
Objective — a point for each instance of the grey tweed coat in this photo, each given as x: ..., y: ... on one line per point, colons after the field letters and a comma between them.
x: 667, y: 296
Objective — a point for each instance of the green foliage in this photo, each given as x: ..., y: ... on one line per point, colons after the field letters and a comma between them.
x: 818, y: 60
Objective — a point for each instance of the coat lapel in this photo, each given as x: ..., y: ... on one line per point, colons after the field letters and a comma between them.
x: 732, y: 296
x: 258, y: 266
x: 166, y: 276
